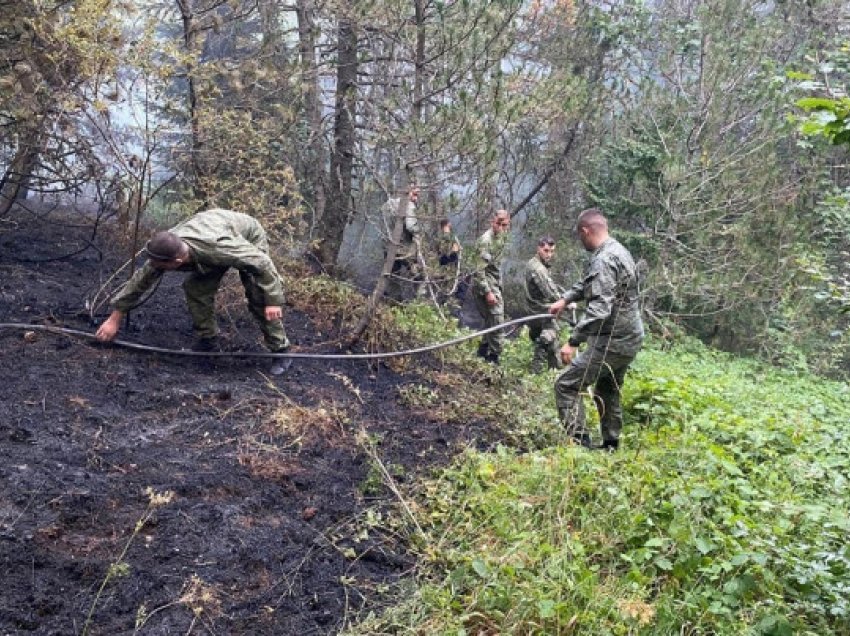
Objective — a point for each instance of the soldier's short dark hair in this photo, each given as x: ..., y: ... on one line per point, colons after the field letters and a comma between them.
x: 164, y: 246
x: 444, y: 223
x: 545, y: 240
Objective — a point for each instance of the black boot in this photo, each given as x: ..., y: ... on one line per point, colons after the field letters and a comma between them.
x: 483, y: 350
x: 280, y: 366
x: 582, y: 439
x: 491, y: 357
x: 609, y: 445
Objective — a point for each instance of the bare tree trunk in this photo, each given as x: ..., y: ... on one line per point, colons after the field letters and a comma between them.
x: 386, y: 270
x: 419, y: 61
x: 190, y: 42
x: 338, y: 210
x: 401, y: 211
x: 14, y: 183
x: 419, y: 106
x: 488, y: 190
x: 314, y: 163
x: 591, y: 105
x: 556, y: 165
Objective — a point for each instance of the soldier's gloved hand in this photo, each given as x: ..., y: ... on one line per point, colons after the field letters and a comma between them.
x: 273, y: 313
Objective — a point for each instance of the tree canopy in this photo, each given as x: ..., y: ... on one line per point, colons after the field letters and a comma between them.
x: 677, y: 118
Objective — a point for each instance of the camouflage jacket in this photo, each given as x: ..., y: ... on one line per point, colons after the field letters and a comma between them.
x: 446, y: 243
x: 488, y: 268
x: 218, y: 240
x: 410, y: 232
x: 609, y: 288
x: 540, y: 290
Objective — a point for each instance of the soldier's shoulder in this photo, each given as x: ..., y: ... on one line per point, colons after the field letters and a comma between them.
x: 533, y: 264
x: 610, y: 249
x: 613, y: 256
x: 619, y: 251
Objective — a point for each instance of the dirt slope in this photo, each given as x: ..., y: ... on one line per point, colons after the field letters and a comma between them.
x: 269, y: 483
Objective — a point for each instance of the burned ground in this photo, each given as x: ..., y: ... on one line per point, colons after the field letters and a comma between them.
x: 164, y: 495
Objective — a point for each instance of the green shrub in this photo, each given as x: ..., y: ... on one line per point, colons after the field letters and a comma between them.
x: 726, y: 512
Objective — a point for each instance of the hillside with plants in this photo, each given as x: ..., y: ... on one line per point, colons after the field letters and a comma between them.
x: 428, y: 493
x: 727, y: 513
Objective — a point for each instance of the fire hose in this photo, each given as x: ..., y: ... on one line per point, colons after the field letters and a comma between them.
x: 267, y: 354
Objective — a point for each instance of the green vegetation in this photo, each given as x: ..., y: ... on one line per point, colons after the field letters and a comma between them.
x: 827, y: 117
x: 714, y: 135
x: 828, y: 106
x: 726, y: 512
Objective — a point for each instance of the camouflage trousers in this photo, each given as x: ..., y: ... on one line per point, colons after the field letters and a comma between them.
x: 605, y: 371
x: 494, y: 315
x: 200, y: 290
x: 547, y: 349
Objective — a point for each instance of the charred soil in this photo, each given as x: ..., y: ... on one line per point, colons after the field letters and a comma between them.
x: 156, y: 494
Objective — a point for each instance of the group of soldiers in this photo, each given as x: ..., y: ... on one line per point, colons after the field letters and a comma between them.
x: 610, y: 325
x: 208, y: 244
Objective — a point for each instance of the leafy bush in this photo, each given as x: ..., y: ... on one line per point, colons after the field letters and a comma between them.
x: 726, y: 513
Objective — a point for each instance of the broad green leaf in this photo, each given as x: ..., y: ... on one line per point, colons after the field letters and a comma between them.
x: 480, y: 568
x: 816, y: 103
x: 546, y: 608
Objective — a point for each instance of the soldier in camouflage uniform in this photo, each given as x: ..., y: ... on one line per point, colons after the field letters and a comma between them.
x: 487, y: 284
x: 451, y: 281
x: 206, y: 246
x: 406, y: 264
x: 611, y: 326
x: 540, y: 292
x: 448, y: 244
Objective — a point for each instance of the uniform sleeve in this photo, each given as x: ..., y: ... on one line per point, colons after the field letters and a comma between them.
x: 485, y: 256
x: 599, y: 287
x: 242, y: 255
x: 411, y: 223
x: 549, y: 291
x: 128, y: 296
x: 574, y: 293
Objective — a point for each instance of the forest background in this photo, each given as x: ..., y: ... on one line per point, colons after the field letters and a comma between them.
x: 713, y: 133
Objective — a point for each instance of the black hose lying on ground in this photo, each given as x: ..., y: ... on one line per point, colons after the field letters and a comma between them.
x: 268, y: 354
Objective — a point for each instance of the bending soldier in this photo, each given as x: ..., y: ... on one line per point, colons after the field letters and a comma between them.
x: 452, y: 283
x: 448, y: 245
x: 206, y: 246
